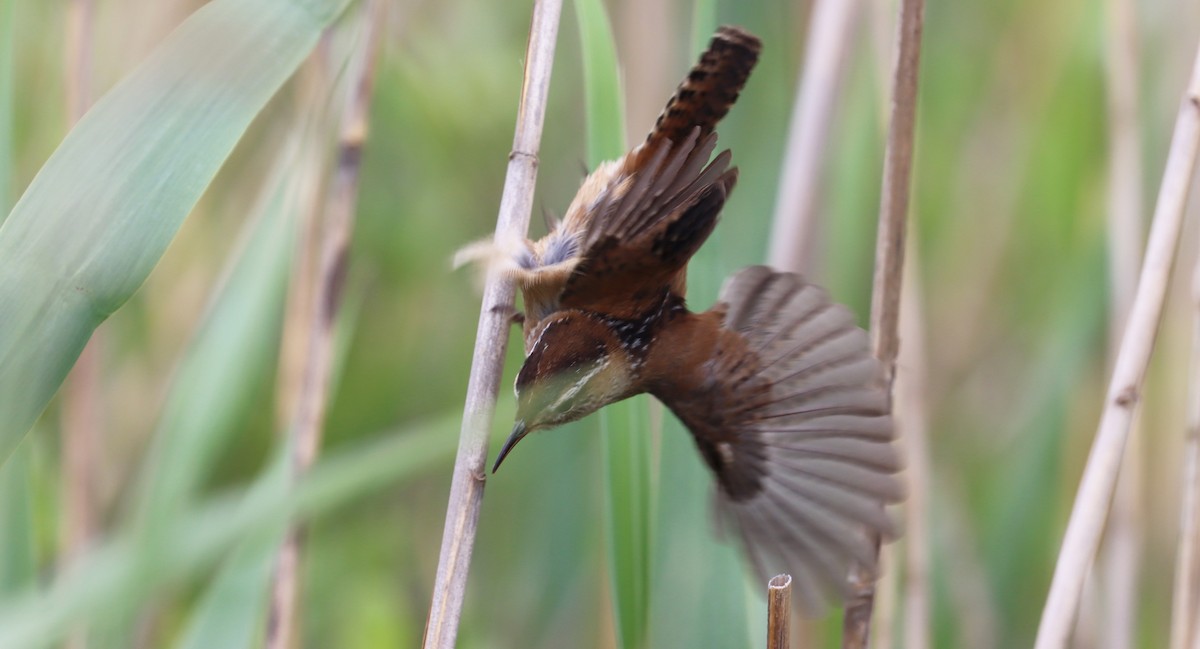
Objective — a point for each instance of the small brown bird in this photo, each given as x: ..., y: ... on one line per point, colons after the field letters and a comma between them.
x: 776, y: 383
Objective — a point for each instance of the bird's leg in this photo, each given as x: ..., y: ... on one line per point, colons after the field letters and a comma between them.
x: 514, y: 316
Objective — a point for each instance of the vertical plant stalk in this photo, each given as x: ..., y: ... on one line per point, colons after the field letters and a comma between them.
x: 887, y: 595
x: 830, y: 27
x: 779, y: 612
x: 913, y: 421
x: 333, y: 247
x: 1119, y: 564
x: 1187, y: 566
x: 889, y: 265
x: 1100, y: 474
x: 491, y: 338
x: 83, y: 411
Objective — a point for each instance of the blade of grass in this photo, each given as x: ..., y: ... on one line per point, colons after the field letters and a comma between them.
x: 112, y: 573
x: 889, y: 264
x: 604, y: 103
x: 103, y: 208
x: 625, y: 426
x: 233, y: 610
x: 491, y: 339
x: 1100, y: 474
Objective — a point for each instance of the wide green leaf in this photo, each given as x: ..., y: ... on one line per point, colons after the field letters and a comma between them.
x: 99, y: 214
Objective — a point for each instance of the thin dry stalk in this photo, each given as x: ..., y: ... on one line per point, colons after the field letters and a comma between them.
x: 1124, y: 392
x: 491, y: 338
x: 887, y: 597
x: 313, y: 397
x: 889, y: 264
x: 83, y: 411
x: 1119, y: 564
x: 1187, y: 566
x: 830, y: 27
x: 779, y: 612
x: 913, y: 422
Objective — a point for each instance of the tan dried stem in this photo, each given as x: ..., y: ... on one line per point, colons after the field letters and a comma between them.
x: 889, y: 264
x: 1187, y: 567
x: 322, y: 305
x: 779, y: 612
x: 491, y: 338
x: 831, y: 25
x: 1100, y: 474
x: 913, y: 425
x: 1119, y: 564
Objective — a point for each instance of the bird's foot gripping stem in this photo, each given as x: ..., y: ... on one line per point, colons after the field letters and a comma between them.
x: 514, y: 316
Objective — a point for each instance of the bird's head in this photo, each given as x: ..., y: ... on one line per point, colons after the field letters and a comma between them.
x: 575, y: 366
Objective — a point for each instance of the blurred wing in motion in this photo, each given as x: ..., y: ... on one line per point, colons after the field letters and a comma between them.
x: 794, y: 423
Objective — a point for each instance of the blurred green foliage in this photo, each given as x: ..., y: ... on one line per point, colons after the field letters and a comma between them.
x: 1009, y: 208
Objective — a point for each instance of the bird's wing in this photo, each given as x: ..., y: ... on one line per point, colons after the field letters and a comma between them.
x: 794, y: 423
x: 659, y: 203
x: 637, y: 256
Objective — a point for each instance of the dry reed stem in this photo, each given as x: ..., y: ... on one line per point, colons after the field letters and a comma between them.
x: 889, y: 264
x: 830, y: 27
x: 1100, y: 475
x: 491, y: 338
x: 779, y: 612
x: 322, y: 308
x: 912, y: 422
x: 1187, y: 566
x: 1119, y: 564
x: 83, y: 411
x: 887, y: 596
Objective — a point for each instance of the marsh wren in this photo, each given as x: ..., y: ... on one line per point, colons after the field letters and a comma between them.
x: 776, y: 383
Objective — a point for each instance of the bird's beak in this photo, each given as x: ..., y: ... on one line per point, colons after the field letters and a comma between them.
x: 518, y: 432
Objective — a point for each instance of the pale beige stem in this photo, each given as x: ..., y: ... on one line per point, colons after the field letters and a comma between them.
x: 1186, y: 602
x: 889, y: 263
x: 1100, y: 475
x: 887, y: 595
x: 491, y: 338
x: 831, y: 25
x: 913, y: 425
x: 1119, y: 563
x: 333, y: 247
